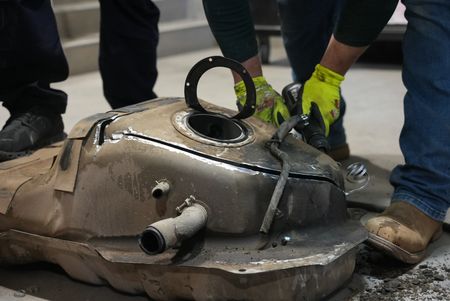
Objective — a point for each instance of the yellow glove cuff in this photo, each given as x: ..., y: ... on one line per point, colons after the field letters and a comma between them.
x: 327, y: 75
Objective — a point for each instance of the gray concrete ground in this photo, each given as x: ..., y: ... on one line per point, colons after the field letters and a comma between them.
x: 374, y: 94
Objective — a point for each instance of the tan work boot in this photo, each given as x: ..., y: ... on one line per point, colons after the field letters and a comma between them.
x: 403, y: 231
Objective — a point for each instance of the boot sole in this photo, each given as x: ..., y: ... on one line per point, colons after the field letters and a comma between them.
x: 6, y: 156
x: 398, y: 252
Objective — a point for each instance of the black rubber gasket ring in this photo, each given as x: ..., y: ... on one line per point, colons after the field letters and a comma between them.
x: 193, y: 77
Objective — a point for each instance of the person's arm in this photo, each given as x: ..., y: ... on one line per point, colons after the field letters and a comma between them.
x: 232, y: 25
x: 339, y: 57
x: 359, y: 24
x: 361, y: 21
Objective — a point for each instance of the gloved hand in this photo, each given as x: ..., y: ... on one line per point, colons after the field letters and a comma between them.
x: 323, y: 89
x: 270, y: 105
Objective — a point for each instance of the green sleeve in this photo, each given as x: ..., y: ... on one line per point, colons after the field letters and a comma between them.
x: 232, y: 26
x: 361, y: 21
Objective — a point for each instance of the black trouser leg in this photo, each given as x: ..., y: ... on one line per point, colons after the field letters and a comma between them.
x: 128, y: 41
x: 31, y: 56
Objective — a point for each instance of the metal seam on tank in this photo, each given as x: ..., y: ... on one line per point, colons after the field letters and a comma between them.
x: 195, y: 156
x: 238, y: 166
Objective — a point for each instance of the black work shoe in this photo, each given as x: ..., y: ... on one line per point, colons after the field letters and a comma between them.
x: 27, y: 131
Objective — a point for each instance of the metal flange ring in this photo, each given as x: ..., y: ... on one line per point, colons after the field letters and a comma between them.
x: 193, y: 77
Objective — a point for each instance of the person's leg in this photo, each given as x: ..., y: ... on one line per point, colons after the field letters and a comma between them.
x: 424, y: 179
x: 306, y: 28
x: 128, y: 41
x: 422, y: 185
x: 31, y: 58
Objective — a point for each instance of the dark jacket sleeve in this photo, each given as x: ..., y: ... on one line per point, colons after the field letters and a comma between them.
x: 361, y: 21
x: 232, y: 26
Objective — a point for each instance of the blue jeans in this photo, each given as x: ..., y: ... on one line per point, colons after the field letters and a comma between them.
x: 424, y: 180
x: 306, y: 27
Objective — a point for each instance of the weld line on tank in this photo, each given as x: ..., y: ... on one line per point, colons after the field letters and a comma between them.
x: 241, y: 165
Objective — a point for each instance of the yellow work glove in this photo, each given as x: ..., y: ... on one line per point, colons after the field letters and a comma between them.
x: 323, y: 88
x: 270, y: 106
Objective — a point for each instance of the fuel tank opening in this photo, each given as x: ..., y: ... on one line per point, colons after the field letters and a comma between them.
x: 213, y: 128
x: 217, y: 127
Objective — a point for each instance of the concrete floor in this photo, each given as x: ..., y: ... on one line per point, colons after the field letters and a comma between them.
x: 374, y: 117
